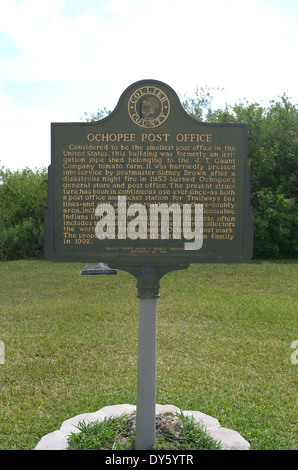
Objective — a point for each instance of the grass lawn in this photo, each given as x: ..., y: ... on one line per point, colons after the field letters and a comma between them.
x: 224, y: 335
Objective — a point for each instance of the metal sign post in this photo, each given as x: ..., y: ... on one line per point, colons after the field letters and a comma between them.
x: 148, y: 292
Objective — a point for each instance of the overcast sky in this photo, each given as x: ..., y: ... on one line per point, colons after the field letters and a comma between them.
x: 59, y: 58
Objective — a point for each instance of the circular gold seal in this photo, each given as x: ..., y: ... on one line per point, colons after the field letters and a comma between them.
x: 148, y: 107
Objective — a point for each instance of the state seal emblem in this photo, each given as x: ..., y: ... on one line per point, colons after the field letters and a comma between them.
x: 148, y: 107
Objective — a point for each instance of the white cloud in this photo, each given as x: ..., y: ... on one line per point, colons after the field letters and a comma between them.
x: 25, y: 133
x: 123, y: 8
x: 245, y: 46
x: 219, y: 43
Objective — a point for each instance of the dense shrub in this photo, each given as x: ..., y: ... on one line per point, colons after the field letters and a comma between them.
x: 23, y: 201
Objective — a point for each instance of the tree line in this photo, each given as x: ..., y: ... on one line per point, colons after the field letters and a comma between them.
x: 272, y: 157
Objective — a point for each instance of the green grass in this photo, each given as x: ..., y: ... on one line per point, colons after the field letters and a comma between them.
x: 105, y: 435
x: 224, y: 335
x: 114, y: 434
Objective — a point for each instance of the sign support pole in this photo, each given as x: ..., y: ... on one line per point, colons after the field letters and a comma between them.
x: 148, y: 292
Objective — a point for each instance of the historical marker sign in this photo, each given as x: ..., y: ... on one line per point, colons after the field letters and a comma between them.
x: 149, y: 185
x: 148, y: 189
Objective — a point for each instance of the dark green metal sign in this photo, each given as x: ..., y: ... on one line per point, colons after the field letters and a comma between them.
x: 149, y: 185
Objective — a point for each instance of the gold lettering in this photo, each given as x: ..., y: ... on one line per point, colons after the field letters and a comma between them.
x: 111, y: 137
x: 194, y: 138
